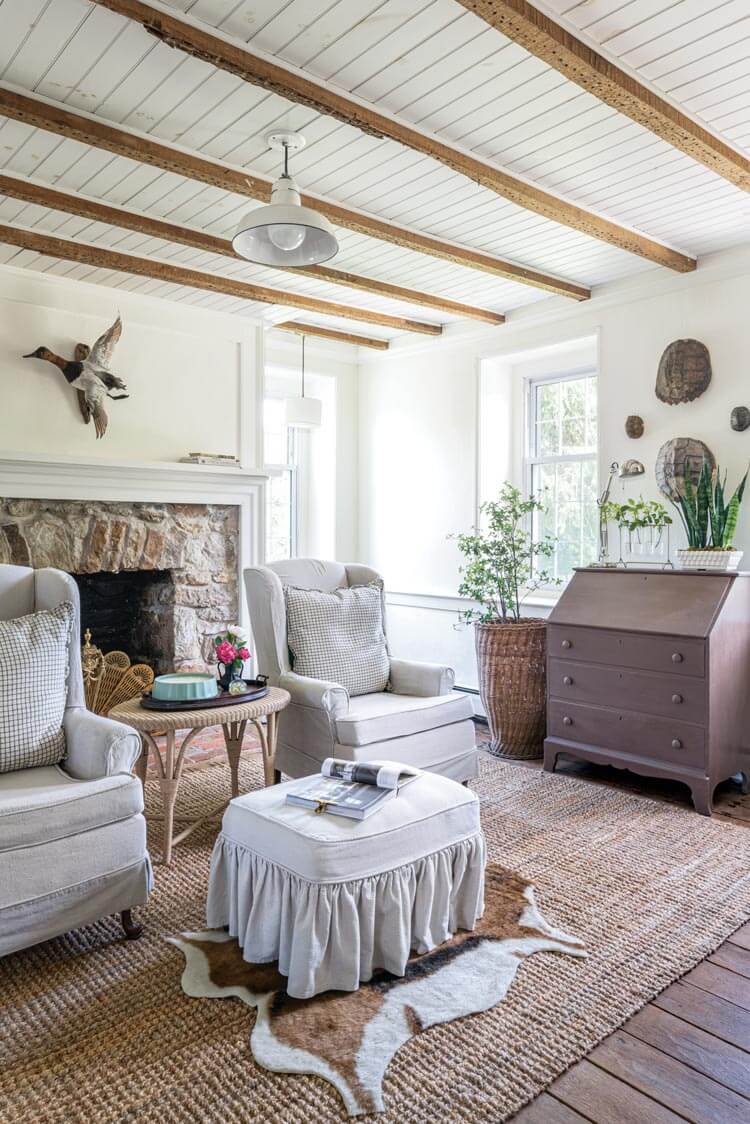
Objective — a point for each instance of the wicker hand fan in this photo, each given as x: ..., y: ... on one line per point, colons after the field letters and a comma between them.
x: 109, y: 679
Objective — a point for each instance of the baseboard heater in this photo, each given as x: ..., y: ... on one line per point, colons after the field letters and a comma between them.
x: 478, y: 716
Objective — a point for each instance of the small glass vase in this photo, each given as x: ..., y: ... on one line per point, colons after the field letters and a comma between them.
x: 645, y: 546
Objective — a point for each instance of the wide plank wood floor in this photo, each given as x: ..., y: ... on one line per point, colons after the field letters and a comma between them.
x: 685, y: 1055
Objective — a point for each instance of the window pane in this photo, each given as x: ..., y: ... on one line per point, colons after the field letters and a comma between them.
x: 573, y: 416
x: 274, y: 431
x: 568, y: 491
x: 591, y: 415
x: 547, y: 420
x: 280, y: 516
x: 548, y: 439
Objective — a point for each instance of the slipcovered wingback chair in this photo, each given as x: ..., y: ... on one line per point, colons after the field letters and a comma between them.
x: 72, y: 836
x: 419, y: 721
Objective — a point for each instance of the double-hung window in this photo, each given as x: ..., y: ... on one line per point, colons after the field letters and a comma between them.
x: 561, y: 465
x: 282, y: 451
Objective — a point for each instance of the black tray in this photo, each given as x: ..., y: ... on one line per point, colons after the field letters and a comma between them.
x: 256, y: 689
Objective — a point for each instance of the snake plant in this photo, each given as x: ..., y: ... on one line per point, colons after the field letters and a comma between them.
x: 710, y: 521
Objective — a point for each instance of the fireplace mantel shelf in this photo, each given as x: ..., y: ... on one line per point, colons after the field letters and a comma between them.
x: 11, y: 461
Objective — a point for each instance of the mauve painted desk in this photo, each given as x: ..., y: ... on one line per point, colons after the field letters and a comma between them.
x: 649, y: 670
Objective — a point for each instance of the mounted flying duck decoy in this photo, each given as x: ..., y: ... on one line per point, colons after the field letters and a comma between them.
x: 89, y: 373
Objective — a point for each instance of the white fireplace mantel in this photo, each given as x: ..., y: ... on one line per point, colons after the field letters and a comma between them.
x: 71, y: 478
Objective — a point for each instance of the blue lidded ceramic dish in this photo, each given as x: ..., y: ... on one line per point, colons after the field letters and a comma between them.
x: 183, y: 686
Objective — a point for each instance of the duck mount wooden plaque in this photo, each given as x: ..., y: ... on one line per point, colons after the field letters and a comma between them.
x: 89, y: 374
x: 684, y: 372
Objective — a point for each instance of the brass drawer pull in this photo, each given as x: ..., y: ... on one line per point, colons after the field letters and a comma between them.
x: 676, y: 743
x: 567, y: 681
x: 567, y: 720
x: 676, y: 657
x: 566, y: 644
x: 676, y: 698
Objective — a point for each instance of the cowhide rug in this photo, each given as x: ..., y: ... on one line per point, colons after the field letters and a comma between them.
x: 349, y: 1038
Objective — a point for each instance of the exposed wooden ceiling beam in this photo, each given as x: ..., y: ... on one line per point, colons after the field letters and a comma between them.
x: 31, y: 192
x: 303, y: 329
x: 162, y: 271
x: 542, y: 37
x: 298, y: 87
x: 55, y: 118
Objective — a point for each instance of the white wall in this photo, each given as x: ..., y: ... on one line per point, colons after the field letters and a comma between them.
x: 418, y: 425
x: 195, y: 383
x: 191, y: 374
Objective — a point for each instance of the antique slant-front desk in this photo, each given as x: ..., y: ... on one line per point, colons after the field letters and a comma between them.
x: 650, y: 671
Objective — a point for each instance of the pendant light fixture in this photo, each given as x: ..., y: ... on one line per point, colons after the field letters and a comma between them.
x: 284, y: 233
x: 304, y: 413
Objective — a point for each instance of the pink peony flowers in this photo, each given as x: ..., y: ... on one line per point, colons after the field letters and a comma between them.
x: 230, y: 647
x: 226, y: 653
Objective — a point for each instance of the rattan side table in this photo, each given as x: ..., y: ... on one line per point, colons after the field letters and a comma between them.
x: 232, y: 718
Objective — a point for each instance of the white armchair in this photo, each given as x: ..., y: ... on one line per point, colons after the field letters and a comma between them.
x: 420, y: 721
x: 72, y: 836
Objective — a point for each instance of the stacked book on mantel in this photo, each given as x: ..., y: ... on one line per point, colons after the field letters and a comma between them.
x: 211, y: 458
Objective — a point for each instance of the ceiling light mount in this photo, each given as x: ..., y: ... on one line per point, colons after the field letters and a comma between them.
x: 285, y: 233
x: 290, y: 142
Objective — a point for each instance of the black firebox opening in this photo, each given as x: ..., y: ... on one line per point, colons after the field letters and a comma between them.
x: 124, y: 612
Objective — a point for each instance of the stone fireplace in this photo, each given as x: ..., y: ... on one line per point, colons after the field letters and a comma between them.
x: 156, y: 579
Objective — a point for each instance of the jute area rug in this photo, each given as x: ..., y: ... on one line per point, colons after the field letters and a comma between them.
x: 95, y: 1029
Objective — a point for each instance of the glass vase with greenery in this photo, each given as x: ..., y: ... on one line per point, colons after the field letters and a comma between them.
x: 642, y: 522
x: 503, y: 558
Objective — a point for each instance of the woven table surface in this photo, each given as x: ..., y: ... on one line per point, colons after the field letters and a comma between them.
x: 133, y: 714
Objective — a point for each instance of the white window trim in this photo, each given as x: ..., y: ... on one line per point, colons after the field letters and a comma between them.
x: 530, y: 462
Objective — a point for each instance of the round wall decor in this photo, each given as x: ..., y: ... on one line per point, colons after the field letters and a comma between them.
x: 634, y: 426
x: 740, y: 418
x: 684, y: 372
x: 679, y: 458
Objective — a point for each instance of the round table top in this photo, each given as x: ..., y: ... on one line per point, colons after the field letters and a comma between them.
x: 133, y: 714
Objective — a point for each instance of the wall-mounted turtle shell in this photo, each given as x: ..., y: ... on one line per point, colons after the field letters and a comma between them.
x: 684, y: 372
x: 740, y: 418
x: 634, y: 426
x: 678, y: 458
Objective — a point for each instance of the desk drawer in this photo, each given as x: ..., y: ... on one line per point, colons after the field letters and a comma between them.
x: 624, y: 731
x: 675, y: 655
x: 673, y: 696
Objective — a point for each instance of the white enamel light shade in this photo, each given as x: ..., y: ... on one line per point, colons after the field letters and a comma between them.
x: 285, y: 233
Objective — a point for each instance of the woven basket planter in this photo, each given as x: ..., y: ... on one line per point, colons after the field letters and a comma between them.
x: 513, y: 685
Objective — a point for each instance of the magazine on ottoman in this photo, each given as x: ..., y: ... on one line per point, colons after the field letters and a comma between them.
x: 354, y: 789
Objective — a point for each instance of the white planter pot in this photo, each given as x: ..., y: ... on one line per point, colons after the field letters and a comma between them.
x: 708, y: 559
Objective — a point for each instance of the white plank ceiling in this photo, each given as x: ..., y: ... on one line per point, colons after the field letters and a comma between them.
x: 434, y: 65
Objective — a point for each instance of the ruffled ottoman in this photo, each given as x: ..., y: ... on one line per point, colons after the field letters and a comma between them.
x: 335, y: 900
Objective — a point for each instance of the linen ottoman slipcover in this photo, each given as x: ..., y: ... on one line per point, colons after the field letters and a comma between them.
x: 335, y: 900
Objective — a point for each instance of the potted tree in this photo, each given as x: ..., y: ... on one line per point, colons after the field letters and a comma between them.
x: 502, y: 566
x: 710, y: 521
